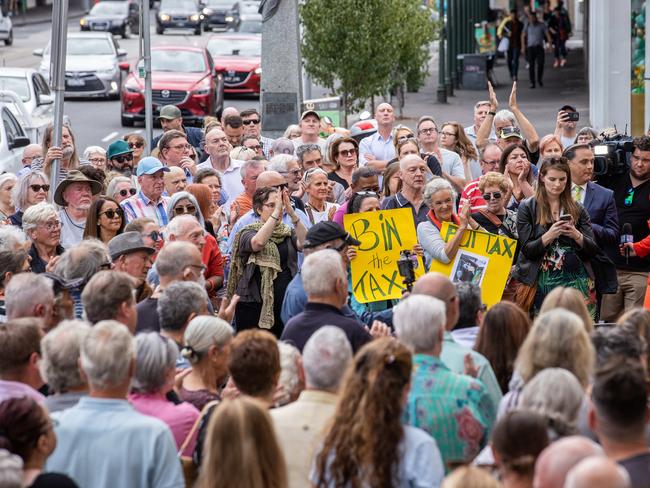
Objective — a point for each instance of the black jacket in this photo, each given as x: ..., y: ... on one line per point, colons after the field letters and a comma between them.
x: 532, y: 249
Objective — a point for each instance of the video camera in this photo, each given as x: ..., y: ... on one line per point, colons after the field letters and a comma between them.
x: 407, y: 264
x: 612, y: 155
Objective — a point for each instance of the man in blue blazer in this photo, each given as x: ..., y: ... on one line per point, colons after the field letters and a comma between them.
x: 597, y: 200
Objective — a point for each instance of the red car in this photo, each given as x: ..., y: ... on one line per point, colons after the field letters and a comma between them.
x: 182, y: 76
x: 239, y: 58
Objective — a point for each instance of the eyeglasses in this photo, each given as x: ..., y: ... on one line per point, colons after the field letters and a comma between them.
x: 339, y: 248
x: 295, y: 172
x: 347, y: 152
x: 122, y: 158
x: 431, y: 130
x: 448, y: 134
x: 629, y: 198
x: 368, y: 193
x: 494, y: 195
x: 154, y: 235
x: 125, y: 192
x: 405, y: 138
x: 52, y: 225
x: 251, y: 122
x: 187, y: 209
x: 111, y: 213
x: 490, y: 163
x: 106, y: 265
x: 182, y: 147
x: 97, y: 160
x: 202, y: 267
x: 255, y: 148
x: 37, y: 188
x: 134, y: 145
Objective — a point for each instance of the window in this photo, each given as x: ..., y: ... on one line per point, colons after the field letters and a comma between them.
x: 12, y: 127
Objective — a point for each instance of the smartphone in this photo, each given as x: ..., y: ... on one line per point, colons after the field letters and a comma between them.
x: 572, y: 116
x: 565, y: 217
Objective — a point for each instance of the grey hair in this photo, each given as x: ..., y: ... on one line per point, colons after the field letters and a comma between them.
x: 82, y: 260
x: 60, y: 352
x: 37, y: 214
x: 177, y: 225
x: 106, y: 354
x: 325, y: 358
x: 320, y: 271
x: 174, y: 257
x: 436, y: 185
x: 104, y: 293
x: 11, y: 237
x: 310, y: 173
x: 290, y: 129
x: 11, y: 470
x: 111, y: 191
x: 178, y: 301
x: 560, y: 408
x: 279, y: 162
x: 306, y: 148
x: 155, y: 356
x: 505, y: 115
x: 289, y: 371
x: 419, y: 321
x: 24, y: 292
x: 614, y: 341
x: 177, y: 197
x: 251, y: 163
x: 408, y: 159
x: 203, y: 332
x: 22, y: 187
x: 90, y: 150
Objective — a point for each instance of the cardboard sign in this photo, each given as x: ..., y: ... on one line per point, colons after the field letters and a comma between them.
x: 482, y: 258
x: 383, y: 235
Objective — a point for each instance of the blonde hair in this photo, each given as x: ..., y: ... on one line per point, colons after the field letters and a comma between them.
x: 557, y: 339
x: 569, y: 299
x: 470, y: 477
x: 241, y: 450
x: 492, y: 178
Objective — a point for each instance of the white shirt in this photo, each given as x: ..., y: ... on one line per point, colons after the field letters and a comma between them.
x: 72, y: 232
x: 567, y: 141
x: 315, y: 216
x: 230, y: 178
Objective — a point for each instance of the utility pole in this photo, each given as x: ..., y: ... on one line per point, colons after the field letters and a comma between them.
x: 145, y: 39
x: 58, y: 50
x: 442, y: 90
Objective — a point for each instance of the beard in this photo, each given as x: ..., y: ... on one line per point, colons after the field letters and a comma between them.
x: 67, y: 152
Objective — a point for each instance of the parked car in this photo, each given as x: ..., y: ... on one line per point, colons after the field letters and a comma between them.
x: 249, y: 24
x: 219, y: 14
x: 91, y: 67
x: 178, y: 14
x: 239, y: 58
x: 6, y: 29
x: 12, y: 133
x: 118, y: 18
x: 184, y: 76
x: 30, y: 86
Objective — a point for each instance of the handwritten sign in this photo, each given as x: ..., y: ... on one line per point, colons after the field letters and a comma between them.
x: 383, y: 235
x: 482, y: 258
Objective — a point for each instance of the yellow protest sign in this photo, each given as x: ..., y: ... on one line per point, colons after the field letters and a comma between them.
x: 482, y: 258
x: 383, y: 235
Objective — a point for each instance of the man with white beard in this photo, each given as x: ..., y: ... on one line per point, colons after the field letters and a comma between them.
x: 74, y: 194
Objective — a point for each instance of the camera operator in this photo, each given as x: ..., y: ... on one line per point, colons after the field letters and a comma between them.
x: 632, y: 197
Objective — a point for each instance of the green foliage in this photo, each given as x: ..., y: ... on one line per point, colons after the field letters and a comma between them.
x: 361, y: 48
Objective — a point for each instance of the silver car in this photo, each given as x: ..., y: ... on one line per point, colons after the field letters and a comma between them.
x: 91, y: 65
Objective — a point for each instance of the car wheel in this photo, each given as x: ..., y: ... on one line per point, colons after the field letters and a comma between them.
x: 10, y: 41
x: 207, y: 28
x: 159, y: 30
x: 126, y: 122
x: 197, y: 31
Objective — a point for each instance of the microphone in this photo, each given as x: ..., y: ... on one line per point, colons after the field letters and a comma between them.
x: 626, y: 236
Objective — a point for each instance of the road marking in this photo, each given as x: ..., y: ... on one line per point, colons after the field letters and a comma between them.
x: 110, y: 136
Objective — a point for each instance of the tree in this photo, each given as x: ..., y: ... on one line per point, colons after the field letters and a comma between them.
x: 356, y: 48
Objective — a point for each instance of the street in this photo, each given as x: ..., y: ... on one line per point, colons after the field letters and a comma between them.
x: 97, y: 121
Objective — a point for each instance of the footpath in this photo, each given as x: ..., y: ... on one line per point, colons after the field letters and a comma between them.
x: 43, y: 15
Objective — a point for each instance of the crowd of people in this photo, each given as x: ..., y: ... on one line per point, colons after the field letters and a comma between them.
x: 183, y: 315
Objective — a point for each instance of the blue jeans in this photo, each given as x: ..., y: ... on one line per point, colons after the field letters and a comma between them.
x: 513, y: 61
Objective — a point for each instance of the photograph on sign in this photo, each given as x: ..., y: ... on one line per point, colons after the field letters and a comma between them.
x: 469, y: 268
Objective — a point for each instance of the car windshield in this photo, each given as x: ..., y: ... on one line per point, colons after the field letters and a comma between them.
x: 251, y: 26
x: 179, y: 4
x: 16, y: 84
x: 234, y: 47
x: 84, y: 46
x: 220, y: 3
x: 181, y: 61
x: 109, y: 8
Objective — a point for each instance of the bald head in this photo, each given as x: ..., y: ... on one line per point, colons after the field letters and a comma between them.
x: 268, y: 179
x: 30, y: 152
x: 557, y: 459
x: 597, y: 472
x: 440, y: 286
x: 227, y: 112
x: 175, y: 180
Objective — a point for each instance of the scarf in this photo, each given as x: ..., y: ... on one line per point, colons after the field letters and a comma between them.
x: 434, y: 220
x: 267, y: 259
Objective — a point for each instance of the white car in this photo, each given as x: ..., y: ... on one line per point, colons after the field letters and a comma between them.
x: 6, y: 29
x: 12, y: 134
x: 32, y: 89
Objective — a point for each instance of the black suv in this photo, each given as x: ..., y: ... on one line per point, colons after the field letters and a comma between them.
x: 178, y: 14
x: 220, y: 14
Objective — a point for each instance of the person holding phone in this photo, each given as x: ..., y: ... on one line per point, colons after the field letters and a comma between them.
x: 555, y: 240
x: 566, y: 125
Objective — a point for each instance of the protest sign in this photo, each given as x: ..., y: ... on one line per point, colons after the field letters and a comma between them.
x: 482, y: 258
x: 383, y: 235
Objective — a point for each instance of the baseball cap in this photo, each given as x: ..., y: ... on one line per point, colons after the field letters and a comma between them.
x: 126, y: 243
x: 324, y: 232
x: 118, y: 147
x: 149, y: 166
x: 170, y: 112
x: 567, y: 107
x: 508, y: 132
x: 309, y: 112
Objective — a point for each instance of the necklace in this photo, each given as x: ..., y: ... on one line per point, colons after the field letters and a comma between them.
x: 82, y: 227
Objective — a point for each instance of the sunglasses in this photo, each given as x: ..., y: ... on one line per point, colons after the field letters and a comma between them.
x: 130, y: 191
x: 348, y: 152
x: 405, y: 138
x: 368, y: 193
x: 251, y: 122
x: 37, y: 188
x: 134, y: 145
x: 494, y: 195
x: 112, y: 213
x: 122, y: 158
x: 153, y: 235
x: 629, y: 198
x: 255, y: 148
x: 188, y: 209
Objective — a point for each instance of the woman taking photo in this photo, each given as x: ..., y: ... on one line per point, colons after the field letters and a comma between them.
x: 496, y: 218
x: 453, y: 138
x: 515, y: 165
x: 42, y: 225
x: 105, y: 220
x: 376, y: 449
x: 344, y: 153
x: 440, y: 197
x: 264, y: 261
x: 318, y: 209
x: 555, y: 239
x: 7, y: 183
x: 31, y: 189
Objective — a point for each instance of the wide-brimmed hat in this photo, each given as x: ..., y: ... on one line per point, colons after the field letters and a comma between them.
x: 118, y: 147
x: 75, y: 176
x: 126, y: 243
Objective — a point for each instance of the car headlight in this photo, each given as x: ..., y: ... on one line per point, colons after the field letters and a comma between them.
x: 165, y: 17
x: 229, y: 18
x: 258, y: 71
x: 109, y: 71
x: 207, y: 11
x: 82, y: 22
x: 194, y: 18
x: 201, y: 91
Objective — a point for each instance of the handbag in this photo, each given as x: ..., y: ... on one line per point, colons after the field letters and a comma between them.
x: 191, y: 470
x: 504, y: 45
x: 525, y: 296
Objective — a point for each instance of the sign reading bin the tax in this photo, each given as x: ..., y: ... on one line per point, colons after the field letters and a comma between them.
x: 482, y: 258
x: 383, y: 235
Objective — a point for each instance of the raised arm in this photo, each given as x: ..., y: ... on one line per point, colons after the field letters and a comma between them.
x: 483, y: 134
x: 526, y: 127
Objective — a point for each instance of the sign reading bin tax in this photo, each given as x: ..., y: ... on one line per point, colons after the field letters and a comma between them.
x: 383, y: 235
x: 482, y: 258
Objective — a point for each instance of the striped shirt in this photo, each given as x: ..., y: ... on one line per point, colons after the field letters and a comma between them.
x: 473, y: 195
x: 139, y: 206
x: 266, y: 145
